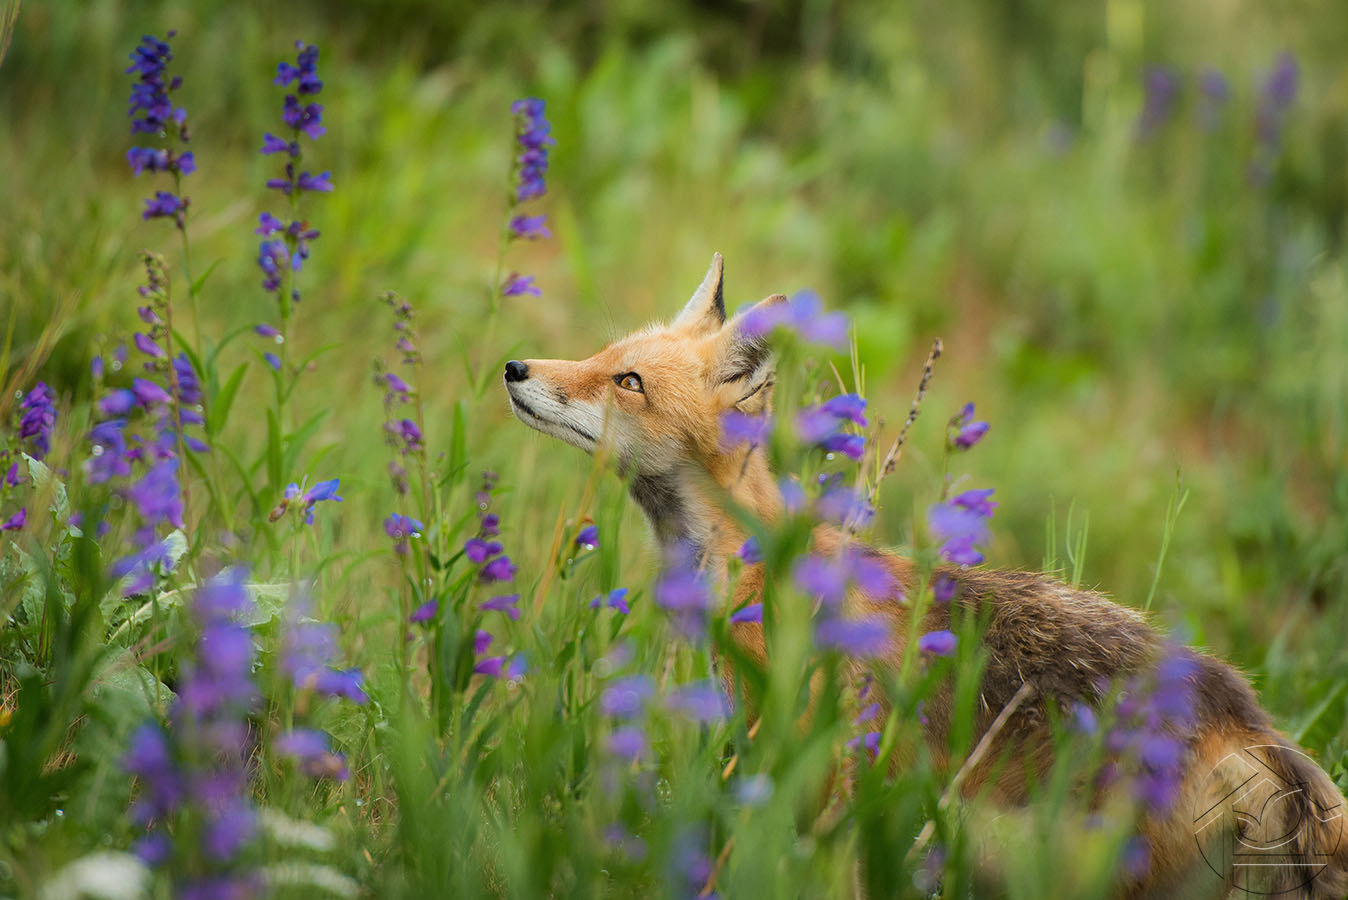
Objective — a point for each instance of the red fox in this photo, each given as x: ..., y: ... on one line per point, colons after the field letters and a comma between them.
x: 655, y: 399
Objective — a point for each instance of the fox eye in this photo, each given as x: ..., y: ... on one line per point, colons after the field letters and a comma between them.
x: 630, y: 382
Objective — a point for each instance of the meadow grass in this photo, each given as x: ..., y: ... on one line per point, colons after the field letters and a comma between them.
x: 1150, y: 316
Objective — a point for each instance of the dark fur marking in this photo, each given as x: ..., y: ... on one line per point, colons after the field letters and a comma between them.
x: 661, y: 500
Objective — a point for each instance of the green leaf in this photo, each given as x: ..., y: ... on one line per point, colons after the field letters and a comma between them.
x: 225, y: 341
x: 217, y: 412
x: 201, y: 279
x: 458, y: 443
x: 1324, y: 722
x: 180, y: 343
x: 44, y: 480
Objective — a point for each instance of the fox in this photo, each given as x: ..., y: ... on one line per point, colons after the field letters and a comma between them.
x: 653, y: 403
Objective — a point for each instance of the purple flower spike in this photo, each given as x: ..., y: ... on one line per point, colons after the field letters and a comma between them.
x: 821, y: 579
x: 963, y: 432
x: 938, y: 643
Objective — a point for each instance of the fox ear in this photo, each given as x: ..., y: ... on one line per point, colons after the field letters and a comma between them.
x: 745, y: 369
x: 706, y: 310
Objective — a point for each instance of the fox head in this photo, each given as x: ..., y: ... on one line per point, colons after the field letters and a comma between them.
x: 654, y: 401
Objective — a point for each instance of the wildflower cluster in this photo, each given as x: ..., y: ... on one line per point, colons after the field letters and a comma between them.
x: 37, y: 418
x: 1154, y: 717
x: 401, y: 434
x: 682, y: 592
x: 827, y: 580
x: 155, y: 450
x: 285, y: 242
x: 494, y: 571
x: 308, y: 653
x: 1163, y: 87
x: 823, y: 426
x: 152, y: 112
x: 194, y: 777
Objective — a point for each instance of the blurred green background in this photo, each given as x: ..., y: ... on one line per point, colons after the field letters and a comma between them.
x: 1124, y: 218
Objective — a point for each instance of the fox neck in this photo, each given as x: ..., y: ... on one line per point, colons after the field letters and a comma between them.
x: 691, y: 503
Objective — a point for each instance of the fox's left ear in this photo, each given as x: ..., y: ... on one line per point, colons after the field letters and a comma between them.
x: 706, y: 310
x: 745, y: 368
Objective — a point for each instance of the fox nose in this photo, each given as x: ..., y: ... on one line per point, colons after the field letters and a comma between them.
x: 516, y: 371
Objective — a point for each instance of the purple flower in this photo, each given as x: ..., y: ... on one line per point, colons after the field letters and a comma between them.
x: 147, y: 393
x: 682, y: 591
x: 615, y: 599
x: 870, y: 741
x: 307, y: 118
x: 265, y: 330
x: 529, y: 227
x: 147, y: 159
x: 481, y: 641
x: 943, y: 588
x: 753, y: 612
x: 701, y: 701
x: 109, y: 458
x: 157, y: 495
x: 165, y: 205
x: 853, y: 446
x: 347, y: 683
x: 588, y: 537
x: 627, y: 743
x: 1160, y: 88
x: 503, y: 603
x: 154, y: 849
x: 312, y: 750
x: 739, y: 428
x: 321, y: 183
x: 960, y: 523
x: 820, y: 578
x: 851, y: 407
x: 492, y: 666
x: 804, y: 316
x: 37, y: 418
x: 499, y: 569
x: 518, y: 285
x: 400, y: 528
x: 16, y: 521
x: 12, y: 477
x: 864, y: 637
x: 273, y: 361
x: 425, y: 612
x: 963, y: 433
x: 272, y: 144
x: 938, y: 643
x: 625, y: 698
x: 490, y: 525
x: 305, y: 73
x: 870, y: 574
x: 1214, y: 94
x: 478, y: 550
x: 271, y: 257
x: 750, y: 552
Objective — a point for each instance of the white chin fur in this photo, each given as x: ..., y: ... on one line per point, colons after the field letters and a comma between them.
x: 574, y: 423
